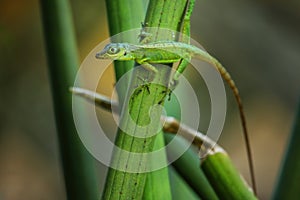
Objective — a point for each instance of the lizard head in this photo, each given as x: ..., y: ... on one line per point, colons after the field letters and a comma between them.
x: 115, y: 51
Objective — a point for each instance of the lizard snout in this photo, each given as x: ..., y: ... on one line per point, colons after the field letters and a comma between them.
x: 100, y: 55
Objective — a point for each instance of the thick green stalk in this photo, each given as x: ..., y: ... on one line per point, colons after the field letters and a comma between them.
x: 120, y: 184
x: 225, y: 179
x: 163, y: 14
x: 157, y: 182
x: 289, y: 180
x: 78, y: 165
x: 121, y: 18
x: 124, y: 185
x: 167, y: 14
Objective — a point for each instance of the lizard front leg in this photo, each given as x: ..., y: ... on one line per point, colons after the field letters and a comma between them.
x: 149, y: 67
x: 144, y: 63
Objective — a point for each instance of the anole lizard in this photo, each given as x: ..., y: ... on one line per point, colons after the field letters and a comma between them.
x: 169, y: 52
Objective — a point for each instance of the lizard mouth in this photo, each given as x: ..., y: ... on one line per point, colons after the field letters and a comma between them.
x: 104, y: 55
x: 100, y: 55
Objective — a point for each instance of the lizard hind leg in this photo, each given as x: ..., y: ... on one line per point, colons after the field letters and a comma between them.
x: 149, y: 67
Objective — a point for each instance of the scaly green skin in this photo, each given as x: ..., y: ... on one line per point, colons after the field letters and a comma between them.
x: 169, y: 52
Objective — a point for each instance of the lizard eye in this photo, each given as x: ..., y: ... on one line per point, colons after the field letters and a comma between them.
x: 113, y: 50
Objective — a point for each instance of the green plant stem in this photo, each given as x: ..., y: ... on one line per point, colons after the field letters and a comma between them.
x: 123, y: 185
x: 122, y: 18
x: 164, y: 14
x: 157, y: 183
x: 78, y: 165
x: 289, y: 180
x: 120, y: 184
x: 188, y: 167
x: 225, y: 179
x: 180, y: 188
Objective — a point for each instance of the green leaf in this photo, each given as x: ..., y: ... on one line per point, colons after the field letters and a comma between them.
x: 289, y: 180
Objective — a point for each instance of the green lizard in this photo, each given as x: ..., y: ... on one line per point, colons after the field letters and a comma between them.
x: 164, y: 52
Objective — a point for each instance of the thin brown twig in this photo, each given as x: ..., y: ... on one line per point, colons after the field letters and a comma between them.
x: 170, y: 124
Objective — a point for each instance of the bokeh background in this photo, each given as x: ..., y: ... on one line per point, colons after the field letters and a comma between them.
x: 257, y: 40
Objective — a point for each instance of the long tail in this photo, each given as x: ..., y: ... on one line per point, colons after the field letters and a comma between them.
x: 226, y: 76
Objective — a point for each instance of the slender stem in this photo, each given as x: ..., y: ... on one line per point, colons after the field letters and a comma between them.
x: 78, y: 165
x: 170, y: 124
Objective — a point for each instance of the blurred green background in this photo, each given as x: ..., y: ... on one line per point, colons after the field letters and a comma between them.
x: 258, y: 41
